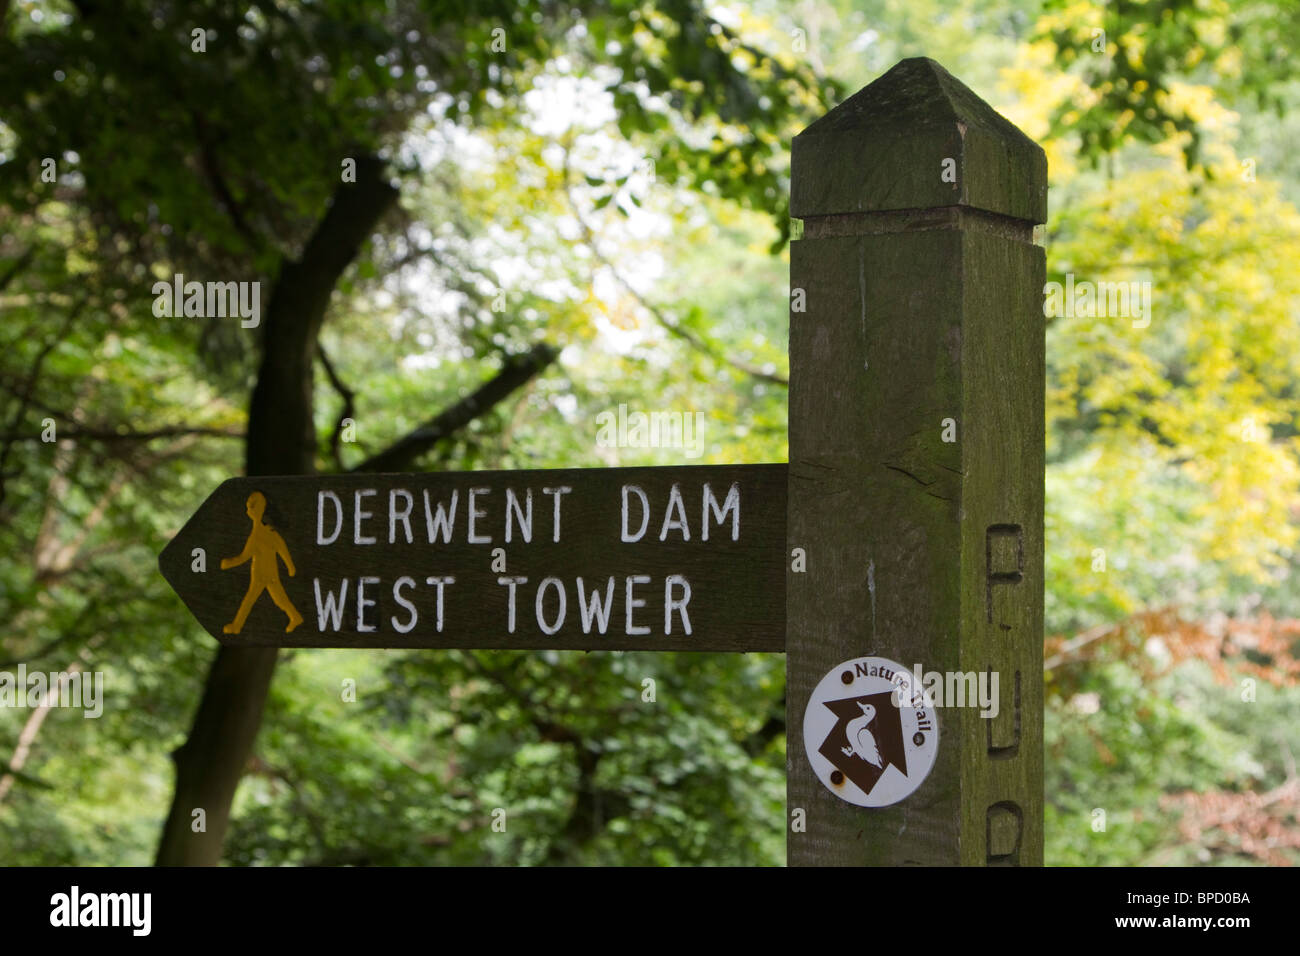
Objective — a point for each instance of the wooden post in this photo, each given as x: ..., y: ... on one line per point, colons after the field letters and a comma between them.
x: 916, y: 457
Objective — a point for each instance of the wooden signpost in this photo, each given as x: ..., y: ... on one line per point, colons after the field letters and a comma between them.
x: 687, y: 558
x: 906, y: 532
x: 916, y: 453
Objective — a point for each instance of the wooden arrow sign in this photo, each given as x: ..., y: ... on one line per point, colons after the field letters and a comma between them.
x: 675, y: 558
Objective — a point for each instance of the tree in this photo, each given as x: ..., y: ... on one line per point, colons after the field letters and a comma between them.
x: 217, y: 140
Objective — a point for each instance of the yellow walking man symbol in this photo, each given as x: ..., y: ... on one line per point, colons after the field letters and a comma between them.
x: 263, y: 546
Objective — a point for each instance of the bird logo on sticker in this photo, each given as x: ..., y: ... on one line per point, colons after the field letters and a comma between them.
x: 861, y: 742
x: 874, y: 745
x: 867, y: 738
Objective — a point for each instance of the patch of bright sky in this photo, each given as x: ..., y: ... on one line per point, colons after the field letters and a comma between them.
x: 863, y: 40
x: 729, y: 16
x: 559, y: 105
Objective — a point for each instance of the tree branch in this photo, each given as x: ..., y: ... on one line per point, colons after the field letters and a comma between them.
x: 517, y: 372
x: 281, y: 438
x: 110, y: 436
x: 19, y: 265
x: 671, y: 325
x: 212, y: 169
x: 346, y: 412
x: 32, y: 727
x: 28, y: 388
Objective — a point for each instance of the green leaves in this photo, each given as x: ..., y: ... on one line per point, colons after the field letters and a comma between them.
x: 219, y: 165
x: 1136, y: 59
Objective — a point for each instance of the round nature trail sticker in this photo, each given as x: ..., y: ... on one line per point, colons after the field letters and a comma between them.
x: 870, y: 733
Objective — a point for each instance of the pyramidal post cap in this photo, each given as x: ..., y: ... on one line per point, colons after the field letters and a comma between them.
x: 884, y: 148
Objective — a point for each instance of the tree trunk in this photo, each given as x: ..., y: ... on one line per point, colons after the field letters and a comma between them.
x: 281, y: 441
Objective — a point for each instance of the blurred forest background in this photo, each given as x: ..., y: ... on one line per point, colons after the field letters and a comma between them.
x: 610, y: 178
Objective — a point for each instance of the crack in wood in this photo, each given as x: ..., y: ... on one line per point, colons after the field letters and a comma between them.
x: 904, y: 471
